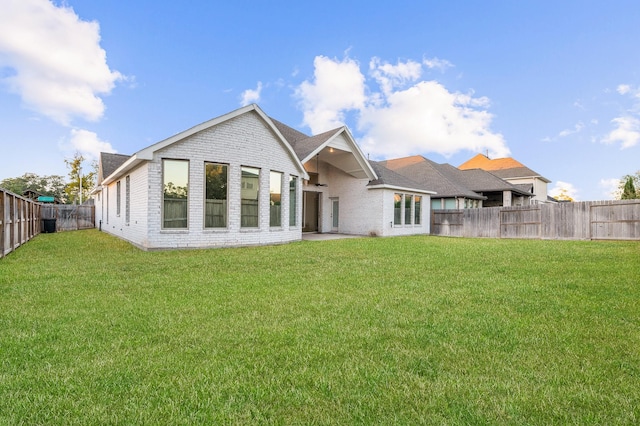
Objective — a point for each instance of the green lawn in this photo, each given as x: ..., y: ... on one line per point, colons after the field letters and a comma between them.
x: 415, y: 330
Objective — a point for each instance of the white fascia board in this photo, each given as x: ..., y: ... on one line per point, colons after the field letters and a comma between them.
x: 403, y: 189
x: 355, y: 150
x: 147, y: 153
x: 125, y: 167
x: 283, y: 141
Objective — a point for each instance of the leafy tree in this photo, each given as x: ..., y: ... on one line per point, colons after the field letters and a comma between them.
x: 53, y: 186
x: 563, y: 195
x: 171, y: 191
x: 216, y: 182
x: 75, y: 192
x: 629, y: 188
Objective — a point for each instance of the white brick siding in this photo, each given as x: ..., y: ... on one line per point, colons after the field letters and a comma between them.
x: 362, y: 211
x: 244, y: 140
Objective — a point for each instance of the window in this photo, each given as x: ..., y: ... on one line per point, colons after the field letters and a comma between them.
x: 450, y: 204
x: 417, y: 210
x: 293, y: 185
x: 397, y: 209
x: 127, y: 200
x: 175, y: 182
x: 275, y: 199
x: 215, y: 209
x: 118, y: 199
x: 407, y: 209
x: 250, y: 188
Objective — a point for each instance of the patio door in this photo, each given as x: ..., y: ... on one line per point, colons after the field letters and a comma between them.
x: 335, y: 215
x: 310, y: 208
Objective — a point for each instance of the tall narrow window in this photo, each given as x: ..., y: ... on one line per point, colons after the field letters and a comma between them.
x: 175, y: 180
x: 249, y: 192
x: 215, y: 209
x: 118, y: 199
x: 275, y: 199
x: 127, y: 199
x: 397, y: 209
x: 293, y: 186
x: 417, y: 210
x: 407, y: 209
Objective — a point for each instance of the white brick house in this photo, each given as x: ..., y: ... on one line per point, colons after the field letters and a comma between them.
x: 246, y: 179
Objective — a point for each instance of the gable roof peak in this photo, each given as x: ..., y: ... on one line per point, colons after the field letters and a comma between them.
x: 481, y: 161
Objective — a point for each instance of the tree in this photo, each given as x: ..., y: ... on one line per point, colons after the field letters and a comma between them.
x: 629, y: 188
x: 53, y: 186
x: 77, y: 192
x: 563, y: 195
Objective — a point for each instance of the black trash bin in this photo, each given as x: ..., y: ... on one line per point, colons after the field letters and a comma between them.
x: 48, y: 226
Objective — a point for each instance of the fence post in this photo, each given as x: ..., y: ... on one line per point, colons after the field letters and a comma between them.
x: 3, y: 222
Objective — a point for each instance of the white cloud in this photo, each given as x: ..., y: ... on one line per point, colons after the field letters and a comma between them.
x: 610, y: 187
x: 390, y: 76
x: 251, y: 96
x: 408, y: 116
x: 55, y: 60
x: 576, y: 129
x: 441, y: 64
x: 429, y: 118
x: 627, y: 132
x: 338, y: 87
x: 564, y: 188
x: 623, y: 89
x: 86, y: 143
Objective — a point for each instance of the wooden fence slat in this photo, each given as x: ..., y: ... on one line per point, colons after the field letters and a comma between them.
x: 19, y: 221
x: 597, y: 220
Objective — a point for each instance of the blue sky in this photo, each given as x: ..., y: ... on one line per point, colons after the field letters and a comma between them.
x: 554, y: 84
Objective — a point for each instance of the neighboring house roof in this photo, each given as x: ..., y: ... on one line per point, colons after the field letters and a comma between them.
x: 482, y: 181
x: 519, y: 172
x: 483, y: 162
x: 527, y: 187
x: 505, y: 168
x: 441, y: 178
x: 389, y: 179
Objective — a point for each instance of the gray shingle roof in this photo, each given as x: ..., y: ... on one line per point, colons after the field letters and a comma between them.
x: 441, y: 178
x: 109, y: 163
x: 302, y: 144
x: 517, y: 172
x: 389, y: 177
x: 480, y: 180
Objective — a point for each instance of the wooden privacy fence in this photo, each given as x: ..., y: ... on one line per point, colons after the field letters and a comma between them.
x: 587, y: 220
x: 19, y: 221
x: 69, y: 217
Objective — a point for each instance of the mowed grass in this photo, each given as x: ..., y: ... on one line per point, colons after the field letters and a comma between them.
x: 415, y: 330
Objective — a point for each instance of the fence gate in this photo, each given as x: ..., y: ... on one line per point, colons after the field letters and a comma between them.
x: 70, y: 217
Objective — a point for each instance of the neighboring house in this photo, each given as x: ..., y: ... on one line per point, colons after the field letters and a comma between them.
x: 246, y: 179
x: 458, y: 189
x: 513, y: 172
x: 36, y: 196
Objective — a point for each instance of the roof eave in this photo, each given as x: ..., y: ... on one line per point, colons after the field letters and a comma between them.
x: 357, y: 153
x: 401, y: 188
